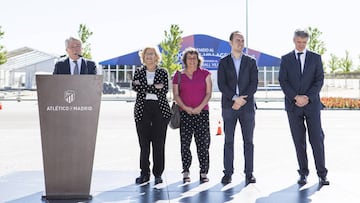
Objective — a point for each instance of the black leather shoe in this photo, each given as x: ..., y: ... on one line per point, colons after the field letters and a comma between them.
x: 324, y: 181
x: 250, y: 179
x: 158, y: 180
x: 302, y: 180
x: 142, y: 179
x: 226, y: 179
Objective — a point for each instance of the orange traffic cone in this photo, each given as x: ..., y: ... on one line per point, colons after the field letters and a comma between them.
x: 219, y: 131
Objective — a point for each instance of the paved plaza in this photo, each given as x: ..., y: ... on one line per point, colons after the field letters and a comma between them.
x: 117, y: 159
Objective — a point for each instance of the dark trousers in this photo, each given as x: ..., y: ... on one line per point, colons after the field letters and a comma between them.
x: 151, y: 129
x: 197, y: 125
x: 297, y: 120
x: 247, y: 123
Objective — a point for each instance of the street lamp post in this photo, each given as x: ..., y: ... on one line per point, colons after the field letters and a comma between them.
x: 247, y: 34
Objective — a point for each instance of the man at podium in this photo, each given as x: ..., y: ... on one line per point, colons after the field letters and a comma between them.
x: 74, y: 64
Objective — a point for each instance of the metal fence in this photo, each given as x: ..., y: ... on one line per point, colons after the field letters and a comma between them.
x: 268, y: 88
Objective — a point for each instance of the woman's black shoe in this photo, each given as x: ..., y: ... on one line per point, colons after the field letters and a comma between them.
x: 186, y: 177
x: 203, y: 178
x: 142, y: 179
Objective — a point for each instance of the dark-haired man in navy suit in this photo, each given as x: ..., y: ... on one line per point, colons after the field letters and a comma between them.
x: 238, y: 80
x: 301, y: 78
x: 74, y: 64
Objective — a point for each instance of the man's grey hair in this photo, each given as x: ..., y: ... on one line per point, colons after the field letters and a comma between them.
x: 68, y: 40
x: 302, y: 33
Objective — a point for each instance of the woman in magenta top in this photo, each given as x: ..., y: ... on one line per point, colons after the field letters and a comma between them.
x: 193, y: 97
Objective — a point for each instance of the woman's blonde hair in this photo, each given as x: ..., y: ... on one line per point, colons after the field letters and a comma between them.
x: 143, y: 52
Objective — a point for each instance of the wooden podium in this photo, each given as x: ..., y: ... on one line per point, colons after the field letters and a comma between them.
x: 69, y: 108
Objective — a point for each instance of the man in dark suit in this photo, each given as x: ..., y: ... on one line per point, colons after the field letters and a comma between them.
x: 237, y: 80
x: 74, y: 64
x: 301, y: 78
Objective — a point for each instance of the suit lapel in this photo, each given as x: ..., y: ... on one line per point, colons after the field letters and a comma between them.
x: 295, y: 64
x: 83, y: 67
x: 232, y: 65
x: 242, y: 66
x: 307, y: 59
x: 237, y: 77
x: 67, y: 66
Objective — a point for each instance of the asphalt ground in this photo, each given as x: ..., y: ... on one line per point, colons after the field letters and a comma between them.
x: 116, y: 161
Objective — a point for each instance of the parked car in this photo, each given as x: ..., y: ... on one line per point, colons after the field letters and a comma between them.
x: 110, y: 88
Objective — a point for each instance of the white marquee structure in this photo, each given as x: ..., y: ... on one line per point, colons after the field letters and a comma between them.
x: 22, y: 65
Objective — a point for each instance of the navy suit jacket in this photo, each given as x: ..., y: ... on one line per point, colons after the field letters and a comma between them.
x: 63, y: 67
x: 308, y: 83
x: 228, y: 81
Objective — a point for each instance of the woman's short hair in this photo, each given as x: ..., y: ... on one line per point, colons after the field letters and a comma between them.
x: 192, y: 50
x: 157, y: 54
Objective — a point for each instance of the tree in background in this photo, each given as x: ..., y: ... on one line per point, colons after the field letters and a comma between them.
x: 171, y: 46
x: 84, y: 34
x: 346, y: 63
x: 315, y: 44
x: 358, y: 68
x: 2, y: 49
x: 333, y: 64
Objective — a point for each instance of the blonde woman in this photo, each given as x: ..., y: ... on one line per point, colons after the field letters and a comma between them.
x: 151, y: 112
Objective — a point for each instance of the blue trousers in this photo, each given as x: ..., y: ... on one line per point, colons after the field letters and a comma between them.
x: 247, y: 124
x: 297, y: 120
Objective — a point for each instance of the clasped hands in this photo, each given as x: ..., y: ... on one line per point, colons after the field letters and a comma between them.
x: 191, y: 111
x: 301, y: 100
x: 157, y: 86
x: 239, y: 102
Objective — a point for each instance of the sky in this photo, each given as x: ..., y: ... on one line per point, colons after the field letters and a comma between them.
x: 120, y: 27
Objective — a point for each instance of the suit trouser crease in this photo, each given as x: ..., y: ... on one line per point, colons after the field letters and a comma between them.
x: 297, y: 122
x: 247, y: 124
x: 197, y: 126
x: 151, y: 131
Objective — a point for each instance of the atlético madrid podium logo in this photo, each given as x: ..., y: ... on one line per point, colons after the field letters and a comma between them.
x: 69, y: 96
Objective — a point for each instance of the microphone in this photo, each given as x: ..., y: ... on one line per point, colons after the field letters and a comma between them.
x: 62, y: 56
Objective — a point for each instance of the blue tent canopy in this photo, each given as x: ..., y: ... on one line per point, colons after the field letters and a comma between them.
x: 127, y: 59
x: 211, y: 48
